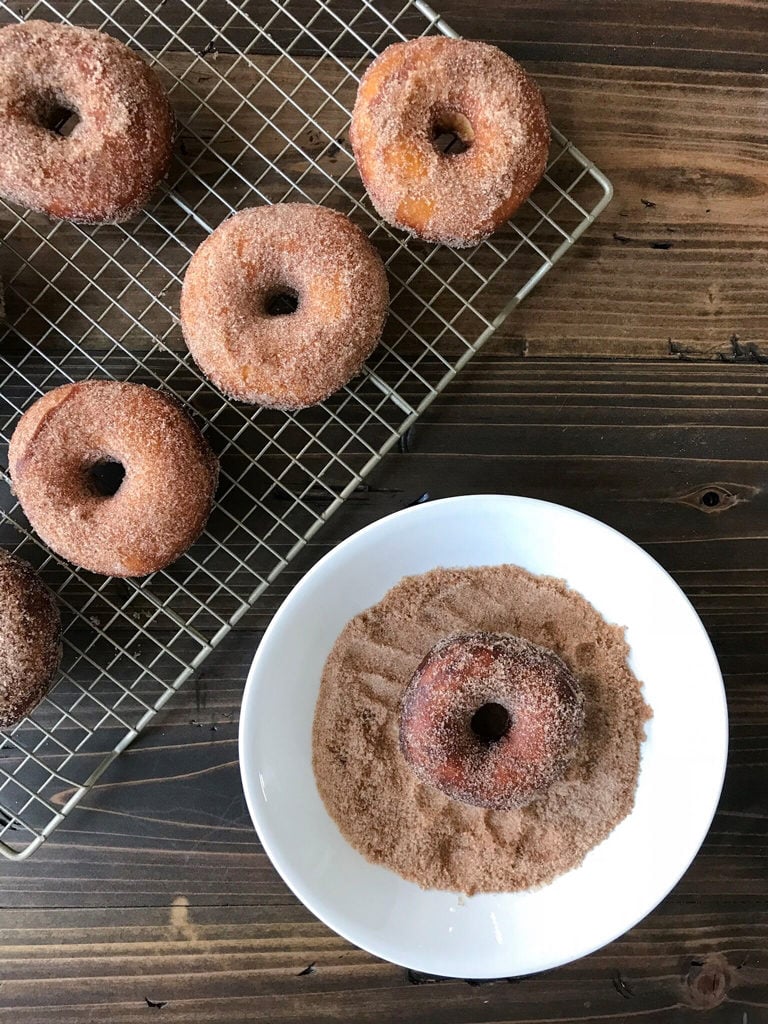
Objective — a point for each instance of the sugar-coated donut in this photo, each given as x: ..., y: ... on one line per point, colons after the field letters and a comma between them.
x: 416, y: 91
x: 30, y: 639
x: 66, y: 457
x: 310, y: 255
x: 119, y: 150
x: 490, y: 719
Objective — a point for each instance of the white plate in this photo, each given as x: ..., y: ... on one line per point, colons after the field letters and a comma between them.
x: 620, y: 881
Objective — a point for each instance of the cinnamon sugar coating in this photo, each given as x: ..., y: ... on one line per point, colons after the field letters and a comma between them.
x: 415, y: 89
x: 390, y: 816
x: 109, y: 165
x: 288, y: 361
x: 165, y: 496
x: 30, y: 639
x: 462, y: 674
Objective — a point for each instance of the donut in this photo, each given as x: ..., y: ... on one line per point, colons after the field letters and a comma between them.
x: 417, y: 92
x: 30, y: 639
x: 121, y: 145
x: 281, y: 305
x: 114, y: 477
x: 490, y: 719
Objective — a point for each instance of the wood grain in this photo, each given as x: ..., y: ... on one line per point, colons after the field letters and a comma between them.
x: 718, y: 35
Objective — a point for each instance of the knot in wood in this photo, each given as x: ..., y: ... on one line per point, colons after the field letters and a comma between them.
x: 706, y: 984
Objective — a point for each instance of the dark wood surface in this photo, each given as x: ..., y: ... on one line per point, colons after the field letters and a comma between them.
x: 629, y: 385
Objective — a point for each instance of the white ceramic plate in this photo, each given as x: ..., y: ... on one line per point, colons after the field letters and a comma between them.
x: 623, y: 879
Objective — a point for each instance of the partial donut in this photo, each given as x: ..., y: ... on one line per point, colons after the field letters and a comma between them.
x: 30, y: 639
x: 116, y: 478
x: 416, y: 92
x: 282, y: 305
x: 120, y: 148
x: 490, y: 719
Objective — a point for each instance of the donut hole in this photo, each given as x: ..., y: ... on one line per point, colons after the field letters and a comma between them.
x: 281, y: 302
x: 57, y: 115
x: 63, y: 121
x: 106, y: 477
x: 490, y: 722
x: 452, y: 133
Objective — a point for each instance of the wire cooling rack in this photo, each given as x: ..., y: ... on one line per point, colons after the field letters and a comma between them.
x: 263, y: 112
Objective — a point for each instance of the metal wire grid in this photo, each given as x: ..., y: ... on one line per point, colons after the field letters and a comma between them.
x: 101, y: 302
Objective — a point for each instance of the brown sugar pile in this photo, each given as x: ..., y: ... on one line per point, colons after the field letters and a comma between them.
x: 395, y: 820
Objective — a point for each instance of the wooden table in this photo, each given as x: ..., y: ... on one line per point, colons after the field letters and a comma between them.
x: 631, y: 384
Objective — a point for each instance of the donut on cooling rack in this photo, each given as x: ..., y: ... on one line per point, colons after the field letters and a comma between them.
x: 490, y: 719
x: 282, y: 305
x: 417, y: 94
x: 106, y: 168
x: 30, y: 639
x: 114, y: 477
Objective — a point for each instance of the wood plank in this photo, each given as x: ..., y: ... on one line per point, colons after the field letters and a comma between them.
x: 687, y: 34
x: 690, y: 146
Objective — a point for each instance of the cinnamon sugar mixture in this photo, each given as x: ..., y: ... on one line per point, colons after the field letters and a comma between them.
x: 395, y: 820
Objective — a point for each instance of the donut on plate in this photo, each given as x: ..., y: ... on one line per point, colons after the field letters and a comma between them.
x: 115, y: 477
x: 282, y: 305
x: 417, y: 93
x: 30, y: 639
x: 490, y: 719
x: 107, y: 167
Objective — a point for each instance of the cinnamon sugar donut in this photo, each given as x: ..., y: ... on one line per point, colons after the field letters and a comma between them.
x: 114, y: 477
x: 30, y: 639
x: 417, y: 91
x: 335, y: 293
x: 118, y: 151
x: 490, y: 719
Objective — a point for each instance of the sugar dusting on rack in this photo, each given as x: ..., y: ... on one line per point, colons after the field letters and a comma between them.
x: 265, y: 121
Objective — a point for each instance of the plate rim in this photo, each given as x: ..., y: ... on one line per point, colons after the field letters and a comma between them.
x: 250, y: 690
